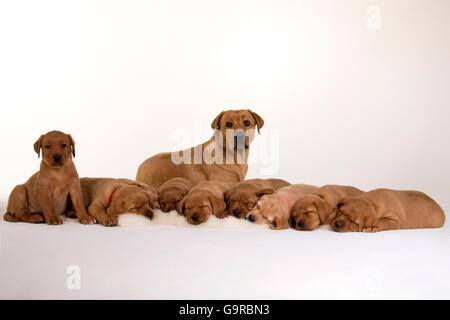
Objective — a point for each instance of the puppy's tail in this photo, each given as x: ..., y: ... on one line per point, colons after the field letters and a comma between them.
x: 8, y: 217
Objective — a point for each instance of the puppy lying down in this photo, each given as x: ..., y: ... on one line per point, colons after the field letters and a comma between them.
x: 384, y: 209
x: 107, y: 198
x: 318, y: 208
x: 274, y: 209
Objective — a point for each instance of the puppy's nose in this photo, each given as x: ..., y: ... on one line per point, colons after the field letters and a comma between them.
x: 236, y: 212
x: 194, y: 217
x: 149, y: 214
x: 338, y: 224
x: 251, y: 218
x: 57, y: 157
x: 300, y: 223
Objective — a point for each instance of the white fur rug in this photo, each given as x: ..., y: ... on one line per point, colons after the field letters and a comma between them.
x: 172, y: 218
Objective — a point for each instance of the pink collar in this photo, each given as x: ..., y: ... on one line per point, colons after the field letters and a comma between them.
x: 283, y: 196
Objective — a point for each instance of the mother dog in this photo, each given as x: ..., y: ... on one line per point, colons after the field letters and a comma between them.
x: 229, y: 146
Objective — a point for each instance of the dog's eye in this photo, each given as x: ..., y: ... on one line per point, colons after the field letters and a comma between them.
x: 229, y: 124
x: 247, y: 123
x: 64, y: 145
x: 47, y: 146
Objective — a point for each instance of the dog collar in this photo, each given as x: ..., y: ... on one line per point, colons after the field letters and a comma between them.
x: 283, y: 196
x: 110, y: 197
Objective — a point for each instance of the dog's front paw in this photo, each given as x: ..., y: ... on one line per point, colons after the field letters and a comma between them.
x: 221, y: 215
x: 86, y: 220
x: 109, y: 221
x: 71, y: 214
x: 53, y: 221
x: 36, y: 218
x: 371, y: 229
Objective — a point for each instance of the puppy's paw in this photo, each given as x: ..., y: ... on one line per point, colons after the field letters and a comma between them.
x: 36, y: 218
x: 86, y: 220
x: 221, y: 215
x: 71, y: 214
x: 109, y: 221
x: 371, y: 229
x: 53, y: 221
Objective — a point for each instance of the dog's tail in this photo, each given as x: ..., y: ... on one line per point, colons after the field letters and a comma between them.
x: 10, y: 218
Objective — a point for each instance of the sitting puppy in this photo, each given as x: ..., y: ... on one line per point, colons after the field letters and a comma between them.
x: 172, y: 192
x: 106, y: 198
x: 274, y: 209
x: 242, y: 198
x: 384, y: 209
x: 204, y: 199
x: 311, y: 211
x: 44, y: 197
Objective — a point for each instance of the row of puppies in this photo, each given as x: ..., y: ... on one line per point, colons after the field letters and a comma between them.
x: 303, y: 207
x: 56, y: 189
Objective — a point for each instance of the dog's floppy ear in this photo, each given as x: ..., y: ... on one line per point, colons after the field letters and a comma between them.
x: 38, y: 146
x: 226, y: 195
x: 258, y: 119
x: 180, y: 207
x: 319, y: 203
x: 72, y: 144
x: 264, y: 191
x: 216, y: 121
x: 218, y: 205
x: 152, y: 198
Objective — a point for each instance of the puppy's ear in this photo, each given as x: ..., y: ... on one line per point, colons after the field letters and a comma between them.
x: 279, y: 223
x: 262, y: 192
x: 38, y: 146
x: 226, y: 195
x: 216, y: 122
x: 258, y: 119
x: 72, y: 144
x: 152, y: 198
x: 218, y: 205
x: 180, y: 207
x: 319, y: 203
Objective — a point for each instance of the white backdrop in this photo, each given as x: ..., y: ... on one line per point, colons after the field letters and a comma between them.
x: 351, y: 103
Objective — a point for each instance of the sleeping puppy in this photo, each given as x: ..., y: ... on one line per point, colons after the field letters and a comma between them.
x: 274, y: 209
x: 106, y: 198
x: 45, y: 196
x: 172, y: 192
x: 204, y: 199
x: 384, y: 209
x: 311, y: 211
x: 242, y: 197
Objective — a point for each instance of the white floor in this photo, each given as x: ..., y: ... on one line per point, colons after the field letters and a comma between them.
x: 168, y: 262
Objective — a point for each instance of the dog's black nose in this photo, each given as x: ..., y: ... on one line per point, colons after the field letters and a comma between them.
x: 150, y: 214
x: 194, y: 217
x: 300, y: 223
x: 236, y: 212
x: 338, y: 224
x: 57, y: 157
x: 251, y: 218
